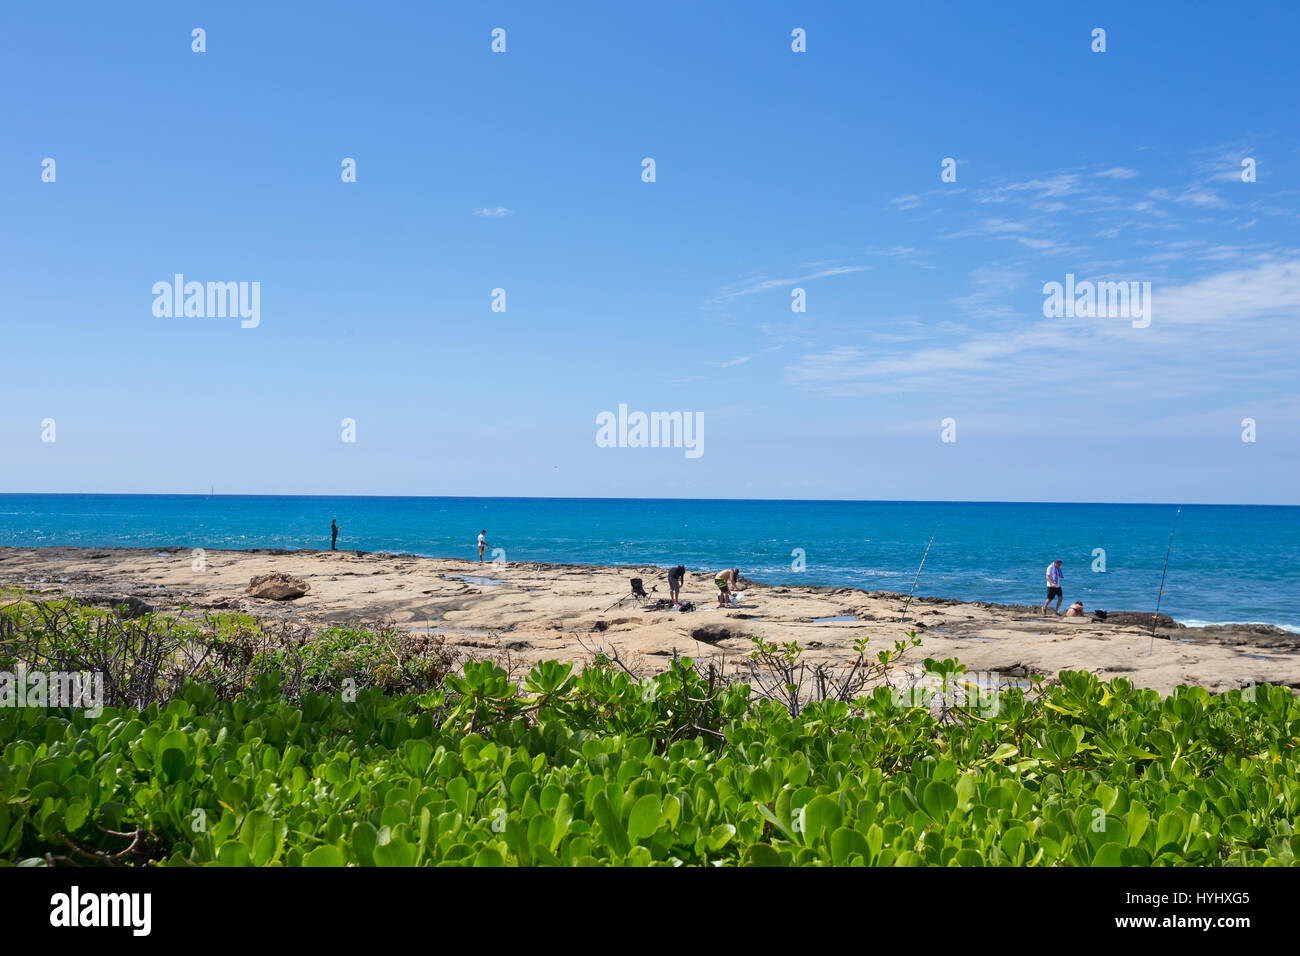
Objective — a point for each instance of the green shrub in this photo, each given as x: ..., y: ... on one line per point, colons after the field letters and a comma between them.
x: 600, y: 768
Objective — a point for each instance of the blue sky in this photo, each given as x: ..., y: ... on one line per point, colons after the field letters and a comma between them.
x: 775, y: 170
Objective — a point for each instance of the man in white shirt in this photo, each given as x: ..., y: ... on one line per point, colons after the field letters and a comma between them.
x: 482, y: 544
x: 1053, y: 586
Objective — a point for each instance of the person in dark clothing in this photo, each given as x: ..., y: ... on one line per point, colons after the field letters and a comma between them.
x: 675, y: 577
x: 334, y: 534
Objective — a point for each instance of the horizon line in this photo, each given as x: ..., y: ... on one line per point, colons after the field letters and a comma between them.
x: 929, y: 501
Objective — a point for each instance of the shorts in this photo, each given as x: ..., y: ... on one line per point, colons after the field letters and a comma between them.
x: 1052, y: 593
x: 722, y: 585
x: 675, y: 581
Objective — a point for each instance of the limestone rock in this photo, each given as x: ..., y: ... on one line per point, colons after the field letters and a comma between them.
x: 277, y: 586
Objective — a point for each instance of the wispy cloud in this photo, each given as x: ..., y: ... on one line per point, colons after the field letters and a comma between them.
x: 1062, y: 184
x: 1013, y: 230
x: 1228, y: 325
x: 496, y: 212
x: 1202, y: 197
x: 908, y: 254
x: 1117, y: 172
x: 992, y: 292
x: 1222, y: 163
x: 764, y: 285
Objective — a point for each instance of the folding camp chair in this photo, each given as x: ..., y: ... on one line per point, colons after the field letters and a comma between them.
x: 638, y: 593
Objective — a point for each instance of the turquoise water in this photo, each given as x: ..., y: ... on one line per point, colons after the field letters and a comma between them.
x: 1229, y: 563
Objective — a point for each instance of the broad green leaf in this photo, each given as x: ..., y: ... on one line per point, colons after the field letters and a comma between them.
x: 644, y: 818
x: 610, y: 826
x: 760, y: 854
x: 234, y: 853
x: 323, y: 856
x: 845, y: 842
x: 820, y: 817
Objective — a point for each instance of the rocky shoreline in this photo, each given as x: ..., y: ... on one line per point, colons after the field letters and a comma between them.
x: 538, y: 611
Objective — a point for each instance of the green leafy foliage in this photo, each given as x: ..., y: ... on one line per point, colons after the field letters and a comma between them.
x: 597, y: 768
x: 146, y: 658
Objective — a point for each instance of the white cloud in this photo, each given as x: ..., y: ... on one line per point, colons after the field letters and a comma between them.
x: 1002, y: 225
x: 1118, y: 172
x: 496, y: 212
x: 1236, y: 298
x: 1061, y: 184
x: 908, y: 254
x: 763, y: 285
x: 992, y: 289
x: 1202, y: 197
x: 1219, y: 327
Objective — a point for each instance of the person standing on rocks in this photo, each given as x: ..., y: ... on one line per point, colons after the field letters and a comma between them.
x: 675, y: 577
x: 334, y: 534
x: 482, y: 544
x: 1053, y: 586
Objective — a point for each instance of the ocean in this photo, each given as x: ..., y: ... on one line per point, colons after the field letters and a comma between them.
x: 1229, y: 564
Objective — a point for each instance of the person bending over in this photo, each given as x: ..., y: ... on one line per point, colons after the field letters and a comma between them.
x: 675, y: 577
x: 726, y: 580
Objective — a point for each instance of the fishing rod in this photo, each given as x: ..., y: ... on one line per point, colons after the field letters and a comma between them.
x: 908, y: 602
x: 1155, y: 618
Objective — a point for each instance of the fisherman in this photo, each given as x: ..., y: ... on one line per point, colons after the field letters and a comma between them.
x: 482, y: 544
x: 726, y: 580
x: 334, y: 534
x: 1054, y: 586
x: 675, y: 577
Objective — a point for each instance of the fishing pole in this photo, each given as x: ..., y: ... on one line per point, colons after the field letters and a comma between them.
x: 908, y: 602
x: 1155, y: 618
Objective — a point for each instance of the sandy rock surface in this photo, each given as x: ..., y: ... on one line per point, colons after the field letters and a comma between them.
x: 538, y: 611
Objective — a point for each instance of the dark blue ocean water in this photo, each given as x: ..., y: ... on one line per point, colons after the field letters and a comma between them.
x: 1229, y: 563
